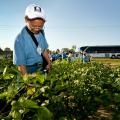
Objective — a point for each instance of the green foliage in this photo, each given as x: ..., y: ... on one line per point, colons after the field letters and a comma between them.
x: 71, y: 90
x: 79, y: 89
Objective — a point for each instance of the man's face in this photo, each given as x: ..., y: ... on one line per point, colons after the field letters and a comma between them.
x: 35, y: 25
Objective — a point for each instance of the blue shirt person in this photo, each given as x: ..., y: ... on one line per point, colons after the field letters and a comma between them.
x: 25, y: 53
x: 86, y: 58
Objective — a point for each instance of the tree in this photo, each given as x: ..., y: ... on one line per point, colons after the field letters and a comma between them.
x: 66, y: 50
x: 74, y: 47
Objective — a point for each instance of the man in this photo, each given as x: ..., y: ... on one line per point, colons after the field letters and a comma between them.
x: 26, y: 54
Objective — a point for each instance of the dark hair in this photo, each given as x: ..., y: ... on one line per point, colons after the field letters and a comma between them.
x: 28, y: 19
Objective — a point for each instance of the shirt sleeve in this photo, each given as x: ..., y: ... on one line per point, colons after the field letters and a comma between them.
x: 45, y: 44
x: 19, y: 57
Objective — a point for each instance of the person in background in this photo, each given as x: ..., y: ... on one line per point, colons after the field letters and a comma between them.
x: 26, y: 55
x: 86, y: 57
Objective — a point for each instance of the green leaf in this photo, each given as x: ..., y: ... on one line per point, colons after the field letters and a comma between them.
x: 43, y: 114
x: 117, y: 98
x: 28, y: 103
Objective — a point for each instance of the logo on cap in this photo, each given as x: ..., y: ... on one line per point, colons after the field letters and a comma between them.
x: 37, y: 8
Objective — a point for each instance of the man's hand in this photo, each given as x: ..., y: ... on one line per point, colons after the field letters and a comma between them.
x: 48, y: 67
x: 22, y: 69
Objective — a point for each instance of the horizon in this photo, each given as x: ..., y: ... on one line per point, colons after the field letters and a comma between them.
x: 71, y: 47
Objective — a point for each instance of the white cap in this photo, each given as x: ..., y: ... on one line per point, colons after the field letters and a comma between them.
x: 34, y: 11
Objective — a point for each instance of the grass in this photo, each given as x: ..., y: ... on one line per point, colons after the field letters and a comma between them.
x: 112, y: 62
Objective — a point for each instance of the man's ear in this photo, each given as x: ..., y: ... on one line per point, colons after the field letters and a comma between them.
x: 26, y: 19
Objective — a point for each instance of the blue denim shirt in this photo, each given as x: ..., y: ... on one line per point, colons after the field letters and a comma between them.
x: 25, y: 50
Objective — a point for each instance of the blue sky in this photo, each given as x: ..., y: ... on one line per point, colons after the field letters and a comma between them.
x: 69, y: 22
